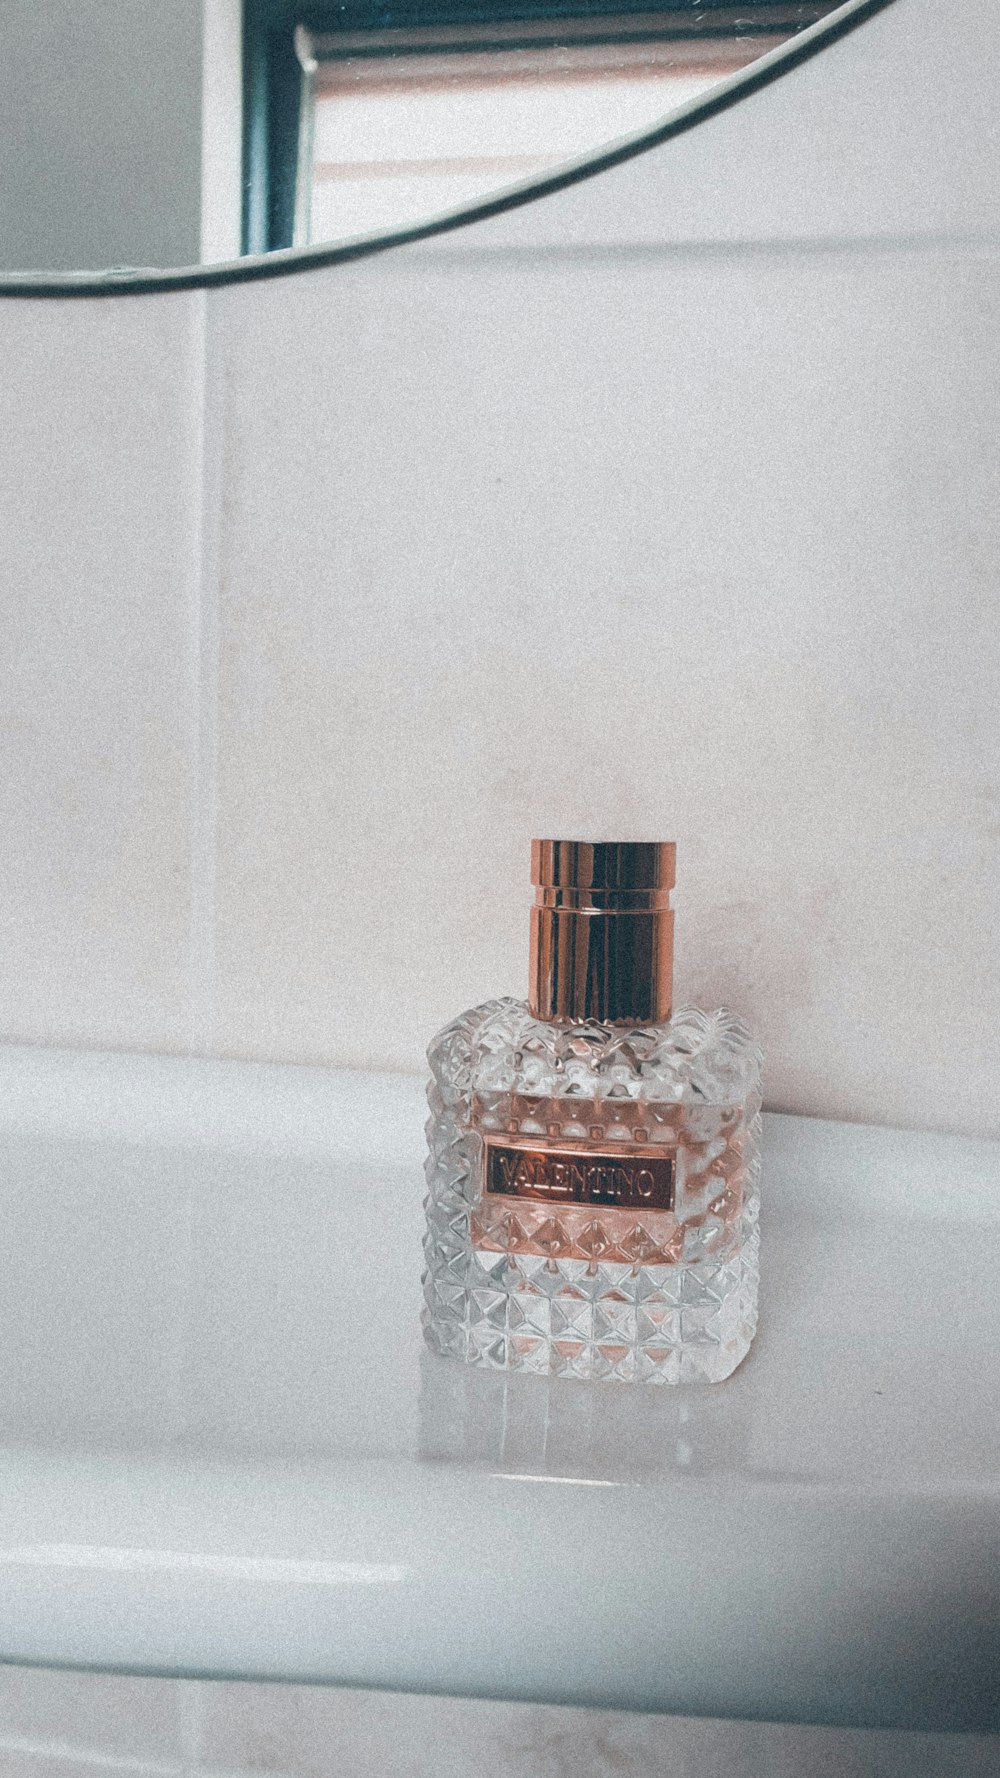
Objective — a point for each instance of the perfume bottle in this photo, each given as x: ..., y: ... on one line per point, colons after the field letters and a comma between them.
x: 593, y: 1160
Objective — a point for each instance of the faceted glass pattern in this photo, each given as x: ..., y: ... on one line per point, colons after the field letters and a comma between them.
x: 578, y: 1289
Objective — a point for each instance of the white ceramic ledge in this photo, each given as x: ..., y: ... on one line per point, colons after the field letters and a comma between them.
x: 225, y: 1450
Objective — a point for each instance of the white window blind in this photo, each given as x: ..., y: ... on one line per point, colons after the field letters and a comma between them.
x: 397, y: 129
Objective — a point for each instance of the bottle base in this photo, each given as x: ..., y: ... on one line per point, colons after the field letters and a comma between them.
x: 674, y: 1324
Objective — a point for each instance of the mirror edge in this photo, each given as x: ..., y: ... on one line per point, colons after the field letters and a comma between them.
x: 284, y: 261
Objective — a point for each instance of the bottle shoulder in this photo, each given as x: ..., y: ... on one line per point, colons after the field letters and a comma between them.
x: 704, y: 1057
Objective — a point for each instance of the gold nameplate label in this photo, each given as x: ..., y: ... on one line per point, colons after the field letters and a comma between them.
x: 574, y: 1176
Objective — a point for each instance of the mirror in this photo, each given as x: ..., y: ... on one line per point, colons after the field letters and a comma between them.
x: 212, y: 139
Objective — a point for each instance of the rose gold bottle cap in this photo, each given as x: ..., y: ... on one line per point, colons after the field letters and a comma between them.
x: 602, y: 931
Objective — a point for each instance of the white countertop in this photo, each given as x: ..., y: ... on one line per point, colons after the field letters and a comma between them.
x: 226, y: 1451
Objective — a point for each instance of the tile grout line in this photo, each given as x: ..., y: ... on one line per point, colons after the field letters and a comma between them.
x: 979, y: 245
x: 191, y: 1719
x: 202, y: 1021
x: 204, y: 663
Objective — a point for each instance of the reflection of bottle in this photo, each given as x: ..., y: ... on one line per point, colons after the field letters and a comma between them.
x: 593, y: 1162
x: 511, y: 1424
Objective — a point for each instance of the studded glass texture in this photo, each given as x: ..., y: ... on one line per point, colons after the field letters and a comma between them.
x: 574, y: 1275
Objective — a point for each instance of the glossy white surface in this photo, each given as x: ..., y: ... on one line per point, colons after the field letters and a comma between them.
x: 225, y: 1451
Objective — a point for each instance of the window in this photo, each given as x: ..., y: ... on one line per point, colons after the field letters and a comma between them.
x: 364, y: 117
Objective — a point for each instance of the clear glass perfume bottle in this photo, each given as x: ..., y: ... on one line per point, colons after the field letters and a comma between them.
x: 593, y: 1166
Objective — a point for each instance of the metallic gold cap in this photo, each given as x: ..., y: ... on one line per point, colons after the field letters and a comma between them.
x: 602, y: 931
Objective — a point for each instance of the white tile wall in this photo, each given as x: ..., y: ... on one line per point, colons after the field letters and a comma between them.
x: 64, y: 1725
x: 671, y: 546
x: 100, y: 422
x: 665, y: 506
